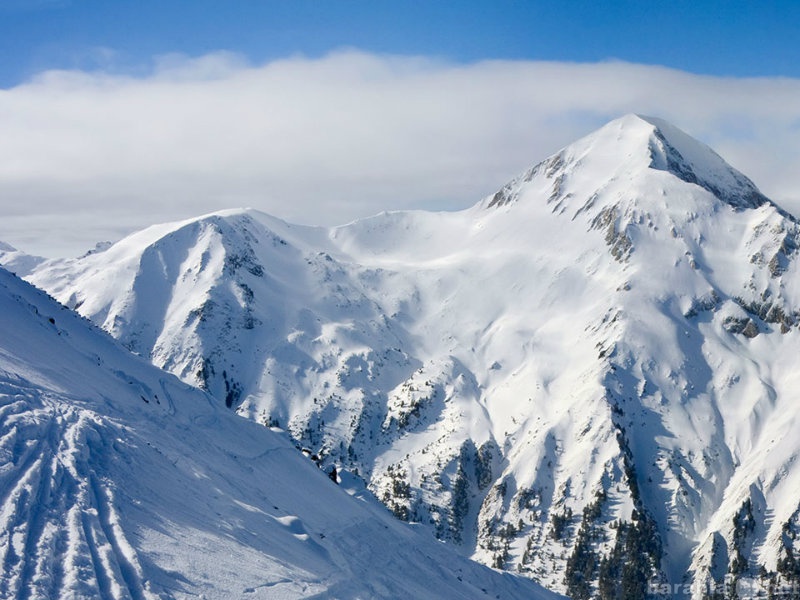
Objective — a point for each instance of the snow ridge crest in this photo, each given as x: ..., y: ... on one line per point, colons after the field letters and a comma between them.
x: 631, y: 147
x: 674, y: 151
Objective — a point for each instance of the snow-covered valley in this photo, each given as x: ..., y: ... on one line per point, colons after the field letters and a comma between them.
x: 587, y: 378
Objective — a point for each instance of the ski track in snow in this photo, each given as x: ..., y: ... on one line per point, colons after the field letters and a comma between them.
x: 60, y: 509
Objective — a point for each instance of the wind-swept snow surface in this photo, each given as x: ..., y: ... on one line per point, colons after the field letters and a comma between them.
x: 119, y: 481
x: 588, y: 377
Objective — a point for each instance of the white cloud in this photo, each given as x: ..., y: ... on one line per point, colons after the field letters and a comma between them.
x: 89, y: 155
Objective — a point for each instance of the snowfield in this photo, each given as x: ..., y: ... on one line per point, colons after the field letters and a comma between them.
x: 587, y: 378
x: 119, y: 481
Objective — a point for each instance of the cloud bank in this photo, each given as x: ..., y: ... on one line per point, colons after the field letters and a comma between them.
x: 90, y: 156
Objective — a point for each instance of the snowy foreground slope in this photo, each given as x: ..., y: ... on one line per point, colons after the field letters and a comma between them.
x: 119, y: 481
x: 588, y: 377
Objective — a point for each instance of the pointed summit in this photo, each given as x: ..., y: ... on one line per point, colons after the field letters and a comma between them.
x: 629, y: 148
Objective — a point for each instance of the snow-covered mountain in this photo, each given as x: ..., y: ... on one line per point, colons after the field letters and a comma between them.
x: 587, y: 377
x: 18, y: 261
x: 119, y: 481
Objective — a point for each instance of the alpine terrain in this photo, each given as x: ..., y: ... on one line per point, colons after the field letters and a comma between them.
x: 588, y: 378
x: 119, y: 481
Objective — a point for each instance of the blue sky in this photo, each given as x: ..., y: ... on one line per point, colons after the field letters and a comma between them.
x: 118, y: 114
x: 737, y: 38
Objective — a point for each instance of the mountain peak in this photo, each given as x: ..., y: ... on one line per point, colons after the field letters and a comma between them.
x: 631, y: 146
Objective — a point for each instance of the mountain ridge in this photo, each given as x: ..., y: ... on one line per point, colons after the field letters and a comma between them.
x: 120, y: 481
x: 581, y: 372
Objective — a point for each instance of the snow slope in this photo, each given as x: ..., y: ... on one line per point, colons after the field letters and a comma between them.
x: 119, y: 481
x: 17, y: 261
x: 587, y: 377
